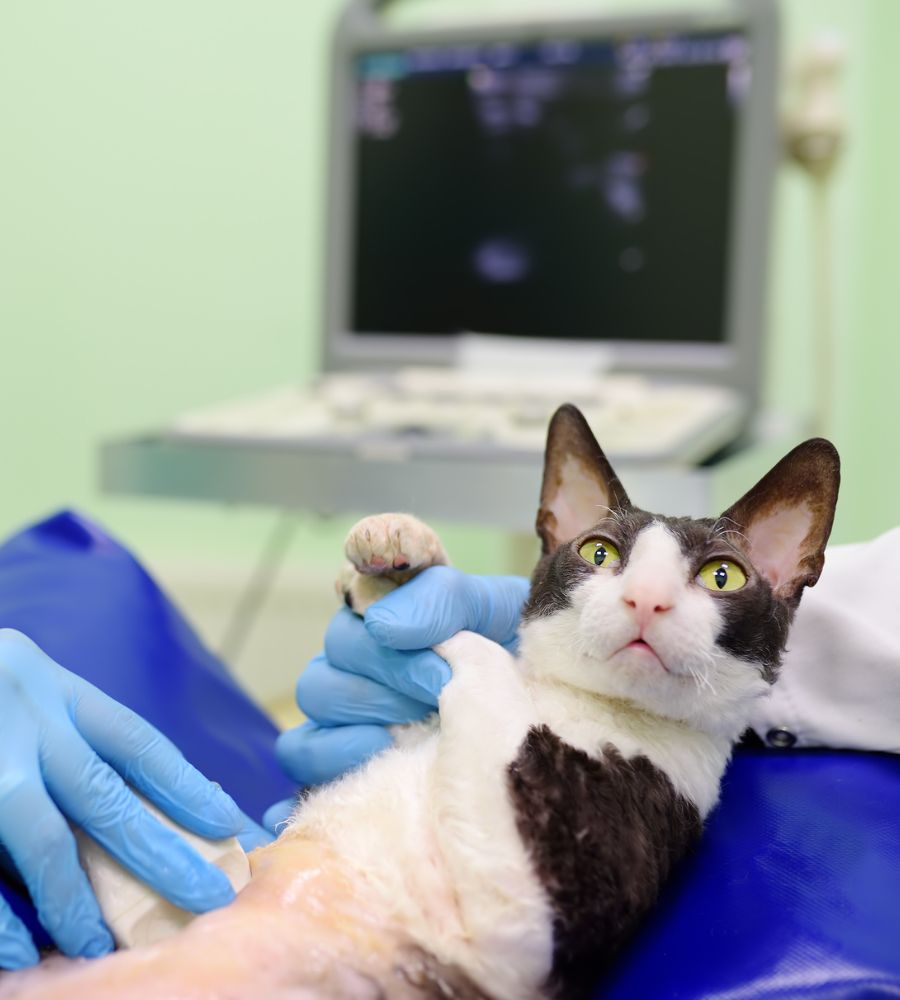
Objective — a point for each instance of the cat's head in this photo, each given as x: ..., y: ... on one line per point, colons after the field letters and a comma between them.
x: 686, y: 618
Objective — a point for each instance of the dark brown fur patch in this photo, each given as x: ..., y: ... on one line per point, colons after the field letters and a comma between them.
x: 603, y: 835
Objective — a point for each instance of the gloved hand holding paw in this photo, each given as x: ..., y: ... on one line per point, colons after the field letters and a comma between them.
x: 379, y: 670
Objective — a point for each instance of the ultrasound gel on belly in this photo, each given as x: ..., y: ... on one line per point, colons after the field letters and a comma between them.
x: 135, y: 913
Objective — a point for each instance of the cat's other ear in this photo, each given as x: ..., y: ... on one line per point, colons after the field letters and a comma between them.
x: 785, y: 520
x: 579, y: 487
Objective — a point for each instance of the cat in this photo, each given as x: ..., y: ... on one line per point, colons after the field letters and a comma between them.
x: 562, y: 787
x: 508, y: 850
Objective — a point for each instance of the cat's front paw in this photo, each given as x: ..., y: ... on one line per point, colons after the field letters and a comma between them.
x: 383, y: 551
x: 394, y: 545
x: 471, y: 651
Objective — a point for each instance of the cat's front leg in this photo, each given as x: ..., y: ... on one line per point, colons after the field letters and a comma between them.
x: 384, y: 551
x: 486, y: 696
x: 486, y: 713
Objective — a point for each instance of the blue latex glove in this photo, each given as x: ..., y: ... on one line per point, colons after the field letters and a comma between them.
x: 65, y: 748
x: 379, y: 670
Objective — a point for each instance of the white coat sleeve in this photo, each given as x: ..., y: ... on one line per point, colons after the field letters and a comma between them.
x: 840, y: 680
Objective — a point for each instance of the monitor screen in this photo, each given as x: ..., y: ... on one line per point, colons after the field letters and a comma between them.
x: 569, y: 187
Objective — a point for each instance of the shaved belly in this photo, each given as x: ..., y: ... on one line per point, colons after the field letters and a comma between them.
x: 305, y: 926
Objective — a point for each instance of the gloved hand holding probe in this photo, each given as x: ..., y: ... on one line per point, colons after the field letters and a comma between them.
x: 67, y: 750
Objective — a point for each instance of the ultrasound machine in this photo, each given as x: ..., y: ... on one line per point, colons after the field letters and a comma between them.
x: 522, y: 214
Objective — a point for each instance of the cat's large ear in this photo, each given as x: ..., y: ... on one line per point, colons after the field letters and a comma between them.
x: 579, y: 487
x: 785, y: 520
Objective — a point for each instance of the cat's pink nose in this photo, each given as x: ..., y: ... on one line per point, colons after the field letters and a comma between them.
x: 647, y: 605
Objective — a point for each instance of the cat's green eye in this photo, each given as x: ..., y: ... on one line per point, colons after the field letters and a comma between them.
x: 722, y: 575
x: 600, y: 552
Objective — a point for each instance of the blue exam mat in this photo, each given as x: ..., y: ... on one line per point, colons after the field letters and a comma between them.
x: 794, y: 890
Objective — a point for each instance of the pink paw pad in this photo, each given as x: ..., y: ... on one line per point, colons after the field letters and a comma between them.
x: 374, y: 565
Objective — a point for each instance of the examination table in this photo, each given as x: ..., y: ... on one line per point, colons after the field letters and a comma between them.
x: 793, y: 892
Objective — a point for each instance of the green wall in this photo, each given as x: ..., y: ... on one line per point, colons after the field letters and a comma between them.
x: 160, y: 248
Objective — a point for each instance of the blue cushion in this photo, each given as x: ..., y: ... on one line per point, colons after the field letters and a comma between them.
x: 794, y: 890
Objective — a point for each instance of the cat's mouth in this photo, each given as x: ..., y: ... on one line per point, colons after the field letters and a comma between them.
x: 643, y: 648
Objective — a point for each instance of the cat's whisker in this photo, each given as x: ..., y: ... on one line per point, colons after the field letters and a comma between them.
x: 721, y: 529
x: 705, y: 663
x: 584, y: 647
x: 703, y: 681
x: 614, y: 514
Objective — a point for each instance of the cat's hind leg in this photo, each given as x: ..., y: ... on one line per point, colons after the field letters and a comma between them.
x: 383, y: 551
